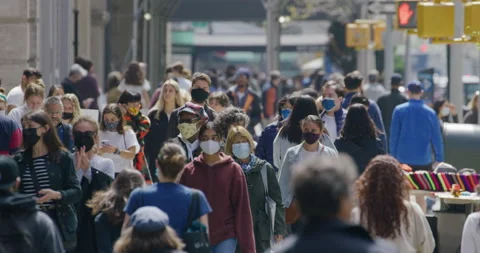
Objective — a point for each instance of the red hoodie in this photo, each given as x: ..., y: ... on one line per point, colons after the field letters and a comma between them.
x: 225, y: 187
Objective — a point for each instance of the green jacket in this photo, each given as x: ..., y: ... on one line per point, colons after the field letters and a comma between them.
x: 256, y: 192
x: 63, y: 178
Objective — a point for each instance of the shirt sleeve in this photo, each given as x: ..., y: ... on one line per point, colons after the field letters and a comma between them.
x: 470, y: 235
x: 131, y: 140
x: 437, y: 139
x: 277, y: 159
x: 133, y: 202
x: 376, y: 116
x: 15, y: 140
x: 204, y: 206
x: 394, y: 132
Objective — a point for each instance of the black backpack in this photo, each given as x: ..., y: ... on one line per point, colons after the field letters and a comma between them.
x: 13, y: 236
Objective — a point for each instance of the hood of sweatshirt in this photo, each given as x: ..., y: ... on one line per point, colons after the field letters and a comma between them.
x: 225, y: 160
x: 18, y: 203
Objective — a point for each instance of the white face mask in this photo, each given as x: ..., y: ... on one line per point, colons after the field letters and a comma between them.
x: 241, y: 150
x: 445, y: 111
x: 210, y: 147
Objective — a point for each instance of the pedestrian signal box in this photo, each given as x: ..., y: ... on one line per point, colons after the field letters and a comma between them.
x: 407, y: 14
x: 436, y: 20
x: 378, y: 31
x: 472, y: 19
x: 358, y: 35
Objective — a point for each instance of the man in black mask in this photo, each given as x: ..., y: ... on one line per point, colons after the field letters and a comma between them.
x: 199, y: 91
x: 245, y: 98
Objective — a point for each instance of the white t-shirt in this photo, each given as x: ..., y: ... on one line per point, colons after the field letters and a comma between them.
x: 304, y: 154
x: 17, y: 114
x: 16, y: 96
x: 184, y: 83
x: 122, y: 142
x: 331, y: 126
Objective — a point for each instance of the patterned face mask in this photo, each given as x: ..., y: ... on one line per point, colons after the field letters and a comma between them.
x: 188, y: 129
x: 133, y: 111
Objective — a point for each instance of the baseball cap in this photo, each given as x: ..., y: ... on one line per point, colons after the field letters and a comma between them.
x: 8, y: 172
x: 415, y: 86
x: 149, y: 219
x: 192, y: 108
x: 396, y: 78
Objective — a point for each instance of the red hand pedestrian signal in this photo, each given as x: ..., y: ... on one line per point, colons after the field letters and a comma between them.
x: 404, y: 14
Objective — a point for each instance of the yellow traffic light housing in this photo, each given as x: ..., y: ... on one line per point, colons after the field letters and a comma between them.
x: 358, y: 35
x: 472, y: 19
x: 436, y: 20
x: 378, y: 30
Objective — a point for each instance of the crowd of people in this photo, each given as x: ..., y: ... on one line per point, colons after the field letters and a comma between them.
x: 187, y: 170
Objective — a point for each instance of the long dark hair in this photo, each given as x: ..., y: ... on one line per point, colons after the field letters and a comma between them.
x: 304, y: 106
x: 50, y: 138
x: 113, y: 201
x: 358, y: 124
x: 134, y: 74
x: 115, y: 110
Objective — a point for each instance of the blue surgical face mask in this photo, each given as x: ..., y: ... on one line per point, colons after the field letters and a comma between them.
x: 328, y: 104
x: 241, y: 150
x: 285, y: 113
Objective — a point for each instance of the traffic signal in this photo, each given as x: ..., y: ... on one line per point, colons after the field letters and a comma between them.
x: 472, y: 19
x: 407, y: 14
x: 436, y: 20
x: 378, y: 30
x: 358, y: 35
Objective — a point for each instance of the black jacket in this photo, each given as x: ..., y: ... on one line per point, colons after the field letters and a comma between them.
x: 387, y: 104
x: 63, y: 178
x: 362, y: 151
x: 471, y: 117
x: 173, y: 132
x: 155, y: 137
x: 106, y: 233
x: 22, y: 209
x: 333, y: 236
x: 86, y: 229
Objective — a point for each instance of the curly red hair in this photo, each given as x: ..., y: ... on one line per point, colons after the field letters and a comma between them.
x: 382, y: 190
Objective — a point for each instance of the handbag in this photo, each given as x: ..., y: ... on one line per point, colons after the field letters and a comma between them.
x: 270, y: 205
x: 195, y: 237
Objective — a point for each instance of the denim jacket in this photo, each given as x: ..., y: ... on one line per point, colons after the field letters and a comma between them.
x: 63, y: 179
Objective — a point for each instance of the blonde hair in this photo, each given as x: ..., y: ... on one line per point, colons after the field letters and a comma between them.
x: 132, y: 241
x: 179, y: 100
x: 240, y: 132
x: 34, y: 90
x: 472, y: 105
x: 40, y: 82
x: 76, y: 105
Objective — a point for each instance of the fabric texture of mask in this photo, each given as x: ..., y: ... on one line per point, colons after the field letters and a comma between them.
x: 67, y: 115
x: 241, y: 150
x: 83, y: 139
x: 199, y: 95
x: 328, y: 104
x: 134, y: 111
x: 210, y: 147
x: 30, y: 137
x: 188, y: 129
x: 111, y: 126
x: 445, y: 111
x: 246, y: 167
x: 286, y: 113
x: 311, y: 138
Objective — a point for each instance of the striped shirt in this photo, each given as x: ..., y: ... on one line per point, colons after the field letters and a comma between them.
x: 40, y: 169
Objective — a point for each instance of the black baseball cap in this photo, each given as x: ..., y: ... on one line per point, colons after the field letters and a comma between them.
x: 396, y: 79
x: 8, y: 172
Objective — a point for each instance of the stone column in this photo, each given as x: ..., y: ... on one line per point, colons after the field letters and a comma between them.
x: 84, y: 27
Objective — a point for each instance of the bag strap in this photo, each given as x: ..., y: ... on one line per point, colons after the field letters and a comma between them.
x: 265, y: 178
x: 194, y: 203
x: 33, y: 174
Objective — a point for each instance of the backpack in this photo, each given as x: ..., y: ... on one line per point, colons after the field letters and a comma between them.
x: 195, y: 238
x: 14, y: 237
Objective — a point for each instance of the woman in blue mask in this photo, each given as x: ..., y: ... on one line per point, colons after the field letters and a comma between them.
x: 264, y: 149
x: 262, y: 183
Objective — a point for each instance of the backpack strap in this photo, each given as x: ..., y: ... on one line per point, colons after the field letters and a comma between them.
x: 265, y: 178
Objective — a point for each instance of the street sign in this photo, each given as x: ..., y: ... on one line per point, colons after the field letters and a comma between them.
x: 377, y: 7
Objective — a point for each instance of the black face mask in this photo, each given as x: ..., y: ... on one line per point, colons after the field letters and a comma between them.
x: 67, y: 115
x: 84, y: 139
x: 30, y: 137
x: 199, y: 95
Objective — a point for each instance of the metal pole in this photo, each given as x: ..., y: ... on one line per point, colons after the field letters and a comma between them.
x: 135, y: 30
x: 145, y: 33
x: 273, y: 34
x: 406, y: 74
x: 388, y: 72
x: 75, y: 33
x: 456, y: 64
